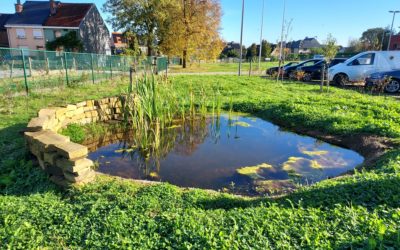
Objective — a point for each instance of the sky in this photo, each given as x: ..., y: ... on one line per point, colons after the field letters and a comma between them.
x: 344, y: 19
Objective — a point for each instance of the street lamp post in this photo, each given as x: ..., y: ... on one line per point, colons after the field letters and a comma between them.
x: 241, y: 41
x: 281, y: 47
x: 391, y: 28
x: 261, y: 35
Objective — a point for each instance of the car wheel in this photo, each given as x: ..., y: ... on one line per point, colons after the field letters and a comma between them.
x: 393, y: 86
x: 341, y: 79
x: 292, y: 75
x: 307, y: 77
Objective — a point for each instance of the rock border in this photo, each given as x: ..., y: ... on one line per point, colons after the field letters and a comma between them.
x: 66, y: 162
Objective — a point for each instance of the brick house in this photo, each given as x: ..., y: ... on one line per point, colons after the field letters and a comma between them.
x: 37, y: 22
x: 395, y: 42
x: 118, y: 43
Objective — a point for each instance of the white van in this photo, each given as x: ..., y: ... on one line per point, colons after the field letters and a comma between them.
x: 359, y: 67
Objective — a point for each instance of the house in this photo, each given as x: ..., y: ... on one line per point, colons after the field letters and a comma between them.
x: 303, y: 46
x: 82, y: 18
x: 232, y: 46
x: 118, y: 43
x: 3, y: 30
x: 24, y: 28
x: 37, y: 22
x: 395, y: 42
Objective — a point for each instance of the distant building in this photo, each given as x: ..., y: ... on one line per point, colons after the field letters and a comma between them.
x: 3, y: 30
x: 395, y: 42
x: 232, y: 46
x: 37, y: 22
x: 303, y: 46
x: 118, y: 43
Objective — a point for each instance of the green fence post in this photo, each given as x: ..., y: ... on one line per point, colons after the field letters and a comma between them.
x: 91, y: 64
x: 66, y: 67
x: 24, y: 67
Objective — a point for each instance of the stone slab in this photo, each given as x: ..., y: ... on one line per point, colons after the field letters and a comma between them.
x: 37, y: 124
x: 71, y: 150
x: 48, y: 113
x: 87, y: 174
x: 74, y: 166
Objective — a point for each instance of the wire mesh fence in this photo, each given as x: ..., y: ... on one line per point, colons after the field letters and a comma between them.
x: 23, y: 70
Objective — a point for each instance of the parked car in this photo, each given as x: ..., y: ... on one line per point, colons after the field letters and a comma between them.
x: 314, y: 72
x: 291, y: 71
x: 358, y: 67
x: 274, y: 70
x: 391, y: 80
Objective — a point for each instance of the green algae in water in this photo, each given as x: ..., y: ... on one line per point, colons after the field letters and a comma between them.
x: 253, y: 171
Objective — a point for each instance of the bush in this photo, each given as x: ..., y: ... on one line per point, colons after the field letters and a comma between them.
x: 75, y: 132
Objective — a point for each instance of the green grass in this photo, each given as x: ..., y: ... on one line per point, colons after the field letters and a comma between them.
x: 221, y: 67
x: 357, y: 211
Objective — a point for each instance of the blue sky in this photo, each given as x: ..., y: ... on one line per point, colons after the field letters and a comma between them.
x: 344, y: 19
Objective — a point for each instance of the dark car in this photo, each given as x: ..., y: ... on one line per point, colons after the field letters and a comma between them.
x: 314, y: 72
x: 390, y: 81
x: 274, y: 70
x: 291, y: 71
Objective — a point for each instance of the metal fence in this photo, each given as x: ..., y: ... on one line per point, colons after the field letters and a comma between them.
x: 27, y: 70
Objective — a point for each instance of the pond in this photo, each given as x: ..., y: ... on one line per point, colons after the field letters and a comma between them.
x: 233, y: 152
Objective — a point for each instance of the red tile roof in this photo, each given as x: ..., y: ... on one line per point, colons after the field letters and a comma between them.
x: 68, y: 15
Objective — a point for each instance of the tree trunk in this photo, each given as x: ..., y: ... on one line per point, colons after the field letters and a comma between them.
x: 184, y: 59
x: 149, y: 50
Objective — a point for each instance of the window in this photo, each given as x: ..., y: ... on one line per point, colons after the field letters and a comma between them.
x: 367, y: 59
x: 39, y: 47
x: 37, y: 34
x: 21, y: 33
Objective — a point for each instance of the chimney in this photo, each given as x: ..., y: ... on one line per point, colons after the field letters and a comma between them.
x: 53, y: 7
x: 18, y: 7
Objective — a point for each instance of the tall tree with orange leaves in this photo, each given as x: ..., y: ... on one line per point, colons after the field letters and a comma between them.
x: 193, y: 31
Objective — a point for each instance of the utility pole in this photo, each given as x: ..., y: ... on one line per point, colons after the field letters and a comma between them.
x: 281, y: 48
x: 391, y: 28
x: 241, y: 41
x: 383, y: 39
x: 261, y: 35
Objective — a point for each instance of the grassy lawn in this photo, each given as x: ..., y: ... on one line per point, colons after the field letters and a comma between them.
x: 221, y: 67
x: 355, y: 211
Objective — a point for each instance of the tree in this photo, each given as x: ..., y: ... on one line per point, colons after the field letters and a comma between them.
x: 354, y: 46
x: 142, y: 17
x: 375, y: 38
x: 317, y: 51
x: 251, y: 51
x: 329, y: 51
x: 133, y: 44
x: 232, y: 54
x: 67, y: 42
x: 266, y: 49
x: 193, y: 30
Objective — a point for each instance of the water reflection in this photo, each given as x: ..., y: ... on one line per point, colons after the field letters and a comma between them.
x: 207, y: 153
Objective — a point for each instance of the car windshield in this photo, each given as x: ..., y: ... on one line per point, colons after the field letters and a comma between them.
x: 309, y: 63
x: 290, y: 64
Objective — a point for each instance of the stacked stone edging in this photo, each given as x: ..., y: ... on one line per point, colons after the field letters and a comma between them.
x: 63, y: 160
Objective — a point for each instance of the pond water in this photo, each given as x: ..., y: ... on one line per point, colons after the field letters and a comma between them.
x: 234, y: 152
